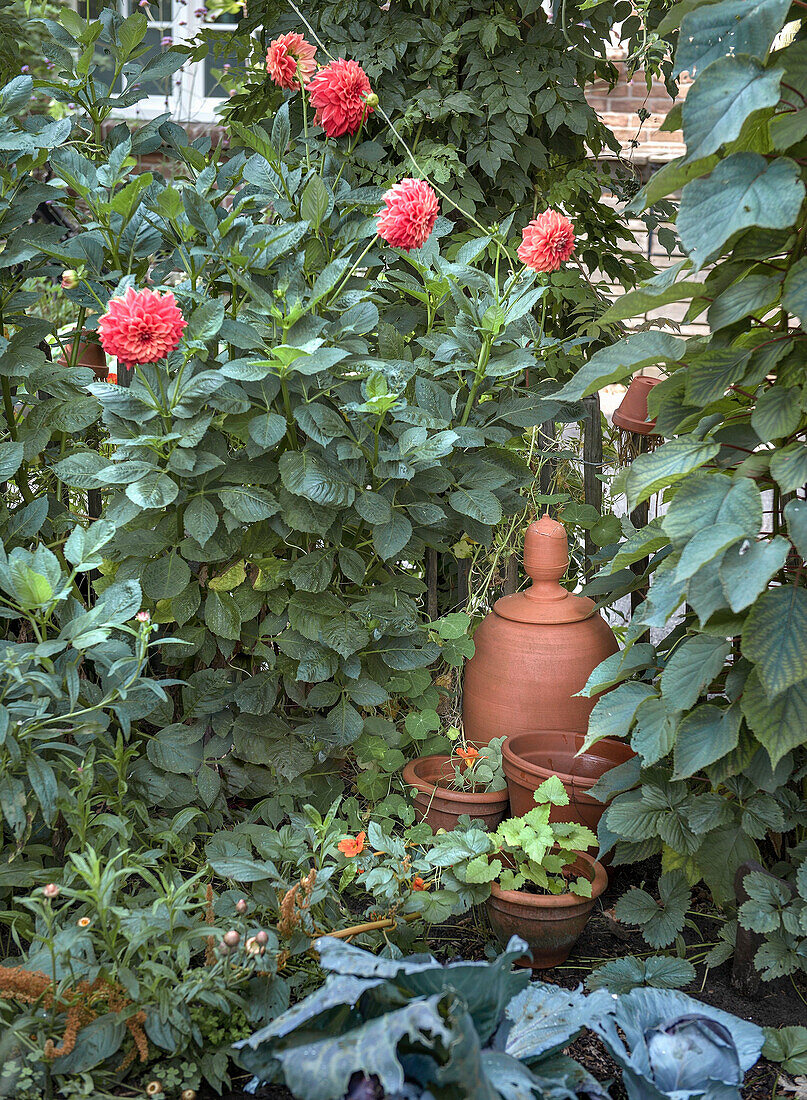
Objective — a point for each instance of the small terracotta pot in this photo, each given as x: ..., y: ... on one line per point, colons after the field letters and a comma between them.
x: 550, y: 923
x: 632, y: 412
x: 440, y: 805
x: 90, y: 355
x: 530, y: 758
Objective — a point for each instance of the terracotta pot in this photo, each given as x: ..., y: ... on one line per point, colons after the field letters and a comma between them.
x: 632, y: 412
x: 535, y: 650
x: 90, y: 355
x: 530, y: 758
x: 440, y: 806
x: 550, y: 923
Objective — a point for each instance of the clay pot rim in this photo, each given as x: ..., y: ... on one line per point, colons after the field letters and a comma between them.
x: 520, y: 899
x: 509, y: 756
x: 412, y: 779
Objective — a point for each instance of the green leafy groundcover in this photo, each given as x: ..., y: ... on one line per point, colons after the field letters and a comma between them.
x: 715, y: 711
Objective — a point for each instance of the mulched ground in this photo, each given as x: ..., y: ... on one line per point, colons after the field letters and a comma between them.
x: 776, y: 1004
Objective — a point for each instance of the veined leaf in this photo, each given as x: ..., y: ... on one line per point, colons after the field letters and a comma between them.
x: 775, y: 638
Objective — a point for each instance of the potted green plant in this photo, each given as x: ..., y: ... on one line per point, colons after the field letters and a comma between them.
x: 543, y: 884
x: 469, y: 781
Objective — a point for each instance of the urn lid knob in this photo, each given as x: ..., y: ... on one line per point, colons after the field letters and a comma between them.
x: 546, y: 558
x: 546, y: 549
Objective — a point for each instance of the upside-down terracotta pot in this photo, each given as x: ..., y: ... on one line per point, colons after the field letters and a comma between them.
x: 530, y: 758
x: 632, y: 412
x: 535, y: 650
x: 441, y: 805
x: 90, y: 354
x: 550, y: 923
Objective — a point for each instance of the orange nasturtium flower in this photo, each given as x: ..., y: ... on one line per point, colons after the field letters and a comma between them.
x: 419, y: 884
x: 352, y: 846
x: 469, y: 755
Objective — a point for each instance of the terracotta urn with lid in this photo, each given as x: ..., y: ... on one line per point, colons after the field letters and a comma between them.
x: 535, y: 650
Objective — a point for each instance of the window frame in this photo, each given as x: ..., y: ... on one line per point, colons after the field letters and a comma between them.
x: 186, y: 102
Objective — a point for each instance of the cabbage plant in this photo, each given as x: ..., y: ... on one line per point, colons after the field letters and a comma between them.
x: 414, y: 1028
x: 676, y: 1047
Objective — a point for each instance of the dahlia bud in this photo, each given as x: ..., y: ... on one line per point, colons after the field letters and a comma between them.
x: 371, y: 100
x: 262, y: 938
x: 241, y: 905
x: 154, y: 1088
x: 232, y: 938
x: 253, y: 947
x: 69, y: 279
x: 51, y: 890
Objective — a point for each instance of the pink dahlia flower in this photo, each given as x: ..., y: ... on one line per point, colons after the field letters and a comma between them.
x: 339, y: 94
x: 290, y: 59
x: 141, y: 327
x: 548, y: 242
x: 410, y: 211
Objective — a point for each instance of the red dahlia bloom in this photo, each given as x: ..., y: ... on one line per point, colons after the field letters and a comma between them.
x: 410, y: 211
x: 141, y: 327
x: 548, y: 242
x: 338, y: 93
x: 290, y: 59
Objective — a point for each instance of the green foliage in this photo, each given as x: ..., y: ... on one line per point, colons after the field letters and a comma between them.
x: 535, y: 852
x: 788, y: 1046
x: 484, y: 772
x: 659, y: 971
x: 660, y: 921
x: 714, y: 706
x: 335, y: 409
x: 487, y: 100
x: 150, y: 944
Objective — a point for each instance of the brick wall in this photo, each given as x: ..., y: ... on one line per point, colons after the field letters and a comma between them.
x: 642, y: 142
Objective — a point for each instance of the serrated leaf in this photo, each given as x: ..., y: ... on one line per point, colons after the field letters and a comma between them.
x: 480, y: 504
x: 775, y: 638
x: 660, y: 921
x: 789, y: 466
x: 666, y: 466
x: 712, y: 31
x: 200, y: 520
x: 691, y: 668
x: 306, y: 475
x: 777, y: 413
x: 778, y: 724
x: 745, y: 572
x: 155, y: 490
x: 703, y: 736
